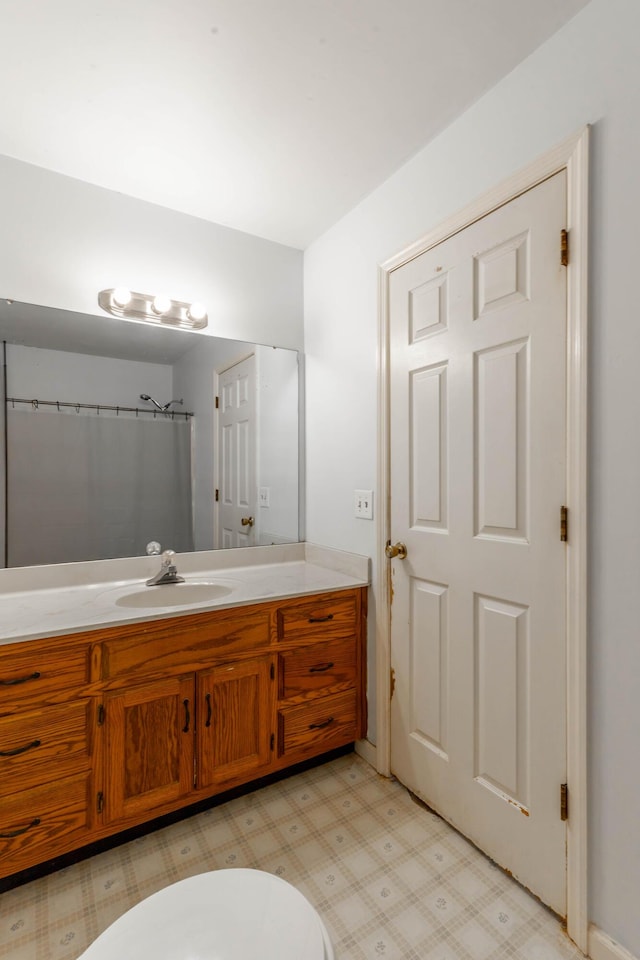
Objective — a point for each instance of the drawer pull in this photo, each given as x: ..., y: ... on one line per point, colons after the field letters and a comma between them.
x: 207, y: 722
x: 319, y: 726
x: 14, y: 753
x: 17, y: 833
x: 321, y: 667
x: 187, y: 716
x: 321, y: 619
x: 12, y: 683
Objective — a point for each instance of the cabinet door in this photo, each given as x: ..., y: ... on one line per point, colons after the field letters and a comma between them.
x: 149, y: 747
x: 236, y: 720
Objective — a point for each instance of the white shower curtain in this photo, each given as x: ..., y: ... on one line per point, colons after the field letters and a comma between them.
x: 84, y: 485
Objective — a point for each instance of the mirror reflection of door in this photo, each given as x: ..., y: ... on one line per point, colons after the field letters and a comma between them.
x: 237, y: 440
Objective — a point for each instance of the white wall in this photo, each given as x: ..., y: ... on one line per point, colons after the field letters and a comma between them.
x: 62, y: 241
x: 588, y: 73
x: 35, y: 373
x: 278, y: 444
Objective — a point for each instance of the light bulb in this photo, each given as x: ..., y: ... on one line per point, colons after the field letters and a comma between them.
x: 161, y: 304
x: 121, y: 296
x: 197, y: 311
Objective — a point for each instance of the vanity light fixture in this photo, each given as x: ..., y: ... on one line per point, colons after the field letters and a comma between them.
x: 122, y: 302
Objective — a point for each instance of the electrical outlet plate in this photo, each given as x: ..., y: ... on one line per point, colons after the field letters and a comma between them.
x: 364, y: 504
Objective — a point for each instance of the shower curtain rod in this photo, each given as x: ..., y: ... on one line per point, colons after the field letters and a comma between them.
x: 172, y: 414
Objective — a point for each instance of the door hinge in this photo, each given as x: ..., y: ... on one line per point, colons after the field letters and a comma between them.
x: 564, y: 248
x: 392, y: 684
x: 217, y: 402
x: 564, y: 801
x: 100, y: 714
x: 100, y: 801
x: 272, y: 672
x: 217, y: 495
x: 564, y: 524
x: 272, y: 741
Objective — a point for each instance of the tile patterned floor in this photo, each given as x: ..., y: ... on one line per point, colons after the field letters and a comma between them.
x: 390, y: 879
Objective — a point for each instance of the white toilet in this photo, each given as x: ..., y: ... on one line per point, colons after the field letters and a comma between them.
x: 222, y: 915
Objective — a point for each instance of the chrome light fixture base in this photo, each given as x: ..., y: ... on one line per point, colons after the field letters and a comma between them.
x: 140, y: 306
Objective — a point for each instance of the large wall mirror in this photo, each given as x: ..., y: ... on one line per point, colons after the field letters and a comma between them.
x: 115, y: 434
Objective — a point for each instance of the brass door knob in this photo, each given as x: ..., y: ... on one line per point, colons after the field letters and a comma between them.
x: 247, y: 521
x: 395, y: 550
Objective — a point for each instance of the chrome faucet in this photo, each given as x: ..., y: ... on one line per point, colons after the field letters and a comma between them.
x: 168, y: 572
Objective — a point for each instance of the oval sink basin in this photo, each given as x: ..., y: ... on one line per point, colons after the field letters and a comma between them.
x: 174, y: 595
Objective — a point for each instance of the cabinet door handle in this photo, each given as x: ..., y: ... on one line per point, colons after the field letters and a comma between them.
x: 319, y: 726
x: 13, y: 683
x: 207, y: 722
x: 17, y: 750
x: 187, y: 716
x: 321, y: 619
x: 17, y: 833
x: 321, y: 667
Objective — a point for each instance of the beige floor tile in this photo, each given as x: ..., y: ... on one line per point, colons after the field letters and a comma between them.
x: 390, y: 879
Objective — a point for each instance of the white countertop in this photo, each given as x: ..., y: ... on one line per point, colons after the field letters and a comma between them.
x: 60, y: 608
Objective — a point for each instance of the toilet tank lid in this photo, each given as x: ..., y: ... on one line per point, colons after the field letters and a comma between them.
x: 237, y: 914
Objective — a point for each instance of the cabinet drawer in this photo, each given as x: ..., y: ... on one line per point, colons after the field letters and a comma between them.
x: 307, y: 670
x: 39, y: 824
x: 42, y: 745
x: 31, y: 674
x: 323, y: 619
x: 170, y: 646
x: 318, y: 725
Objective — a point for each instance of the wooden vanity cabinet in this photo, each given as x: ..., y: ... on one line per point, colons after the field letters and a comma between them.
x: 105, y: 730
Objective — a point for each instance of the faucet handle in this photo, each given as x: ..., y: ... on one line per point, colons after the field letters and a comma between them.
x: 153, y: 548
x: 167, y: 557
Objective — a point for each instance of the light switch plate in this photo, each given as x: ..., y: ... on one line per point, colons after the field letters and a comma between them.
x: 264, y: 496
x: 364, y: 504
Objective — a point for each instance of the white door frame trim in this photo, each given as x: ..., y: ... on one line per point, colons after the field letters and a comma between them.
x: 571, y: 155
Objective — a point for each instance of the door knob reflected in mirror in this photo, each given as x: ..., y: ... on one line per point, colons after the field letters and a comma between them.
x: 395, y: 550
x: 247, y: 521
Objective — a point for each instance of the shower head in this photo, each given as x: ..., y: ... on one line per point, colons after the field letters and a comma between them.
x: 145, y: 396
x: 161, y: 407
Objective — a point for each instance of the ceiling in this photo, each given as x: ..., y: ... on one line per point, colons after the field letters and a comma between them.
x: 271, y: 116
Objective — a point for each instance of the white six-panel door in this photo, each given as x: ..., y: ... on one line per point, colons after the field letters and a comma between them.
x: 478, y: 477
x: 237, y: 455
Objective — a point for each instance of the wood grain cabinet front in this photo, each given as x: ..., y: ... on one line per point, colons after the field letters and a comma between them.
x: 148, y: 756
x: 316, y: 726
x: 236, y: 722
x: 44, y: 745
x: 45, y: 752
x: 320, y: 675
x: 44, y: 822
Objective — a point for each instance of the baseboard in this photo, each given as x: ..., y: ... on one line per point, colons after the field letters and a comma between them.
x: 603, y: 947
x: 368, y: 752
